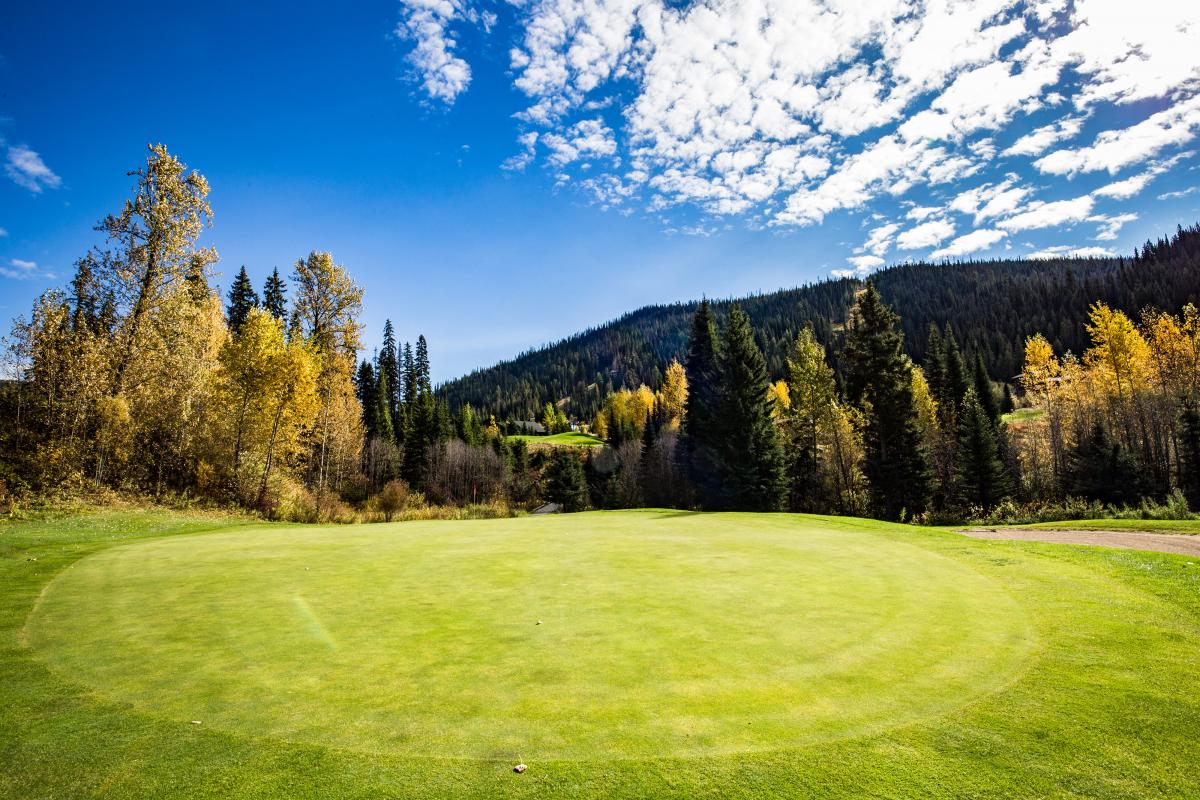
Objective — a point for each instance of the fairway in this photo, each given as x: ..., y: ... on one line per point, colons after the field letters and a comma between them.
x: 568, y: 637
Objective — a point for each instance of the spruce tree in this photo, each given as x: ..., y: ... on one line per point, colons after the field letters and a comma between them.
x: 935, y: 362
x: 275, y: 295
x: 565, y: 482
x: 365, y: 388
x: 242, y: 298
x: 980, y: 477
x: 698, y: 448
x: 383, y: 415
x: 1189, y: 452
x: 879, y: 381
x: 1100, y: 468
x: 954, y: 378
x: 1007, y: 405
x: 389, y: 367
x: 984, y: 393
x: 750, y: 459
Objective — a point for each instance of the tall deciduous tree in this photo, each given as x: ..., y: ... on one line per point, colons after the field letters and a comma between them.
x: 154, y: 247
x: 879, y: 380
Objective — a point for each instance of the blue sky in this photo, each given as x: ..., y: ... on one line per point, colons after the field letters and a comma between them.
x: 501, y: 173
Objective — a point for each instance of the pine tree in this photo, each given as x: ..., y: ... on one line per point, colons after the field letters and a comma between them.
x: 935, y: 362
x: 242, y: 298
x: 1100, y: 468
x: 389, y: 366
x: 1007, y: 404
x: 1189, y: 452
x: 364, y: 384
x: 699, y: 442
x: 565, y: 482
x: 274, y: 297
x: 421, y: 366
x: 383, y: 414
x: 980, y: 477
x: 984, y: 393
x: 879, y: 380
x: 954, y: 378
x: 426, y: 419
x: 750, y: 460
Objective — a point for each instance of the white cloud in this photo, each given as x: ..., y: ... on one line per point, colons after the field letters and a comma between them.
x: 3, y: 232
x: 1035, y: 142
x: 1066, y: 251
x: 863, y: 265
x: 1178, y: 194
x: 711, y: 103
x: 879, y: 240
x: 20, y: 269
x: 426, y: 24
x: 920, y: 213
x: 929, y: 234
x: 1048, y: 215
x: 1114, y: 149
x: 27, y: 170
x: 1111, y: 226
x: 969, y: 243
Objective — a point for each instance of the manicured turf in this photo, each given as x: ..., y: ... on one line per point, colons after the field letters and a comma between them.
x: 1191, y: 526
x: 1023, y: 415
x: 569, y: 439
x: 679, y: 655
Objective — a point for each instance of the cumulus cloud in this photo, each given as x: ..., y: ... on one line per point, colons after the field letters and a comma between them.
x: 1048, y: 215
x: 26, y: 168
x: 1067, y: 251
x: 1111, y: 226
x: 969, y: 243
x: 862, y: 265
x: 426, y: 25
x: 19, y: 269
x: 929, y: 234
x: 888, y: 103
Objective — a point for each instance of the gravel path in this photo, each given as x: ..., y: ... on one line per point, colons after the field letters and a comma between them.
x: 1180, y: 543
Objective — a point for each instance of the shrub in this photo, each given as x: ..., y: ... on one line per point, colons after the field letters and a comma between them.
x: 392, y: 498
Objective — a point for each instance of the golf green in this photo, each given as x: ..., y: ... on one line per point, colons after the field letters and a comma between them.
x: 593, y: 636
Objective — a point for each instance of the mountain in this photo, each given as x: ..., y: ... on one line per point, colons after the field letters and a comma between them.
x: 992, y: 307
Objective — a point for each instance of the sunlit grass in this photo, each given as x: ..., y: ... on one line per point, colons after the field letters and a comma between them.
x: 679, y: 655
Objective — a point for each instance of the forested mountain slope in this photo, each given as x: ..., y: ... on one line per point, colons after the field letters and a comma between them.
x: 991, y: 305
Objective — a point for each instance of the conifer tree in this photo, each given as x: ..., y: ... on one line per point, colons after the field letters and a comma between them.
x: 984, y: 393
x: 408, y: 368
x: 980, y: 476
x: 1007, y: 405
x: 1189, y: 452
x: 1100, y: 468
x: 274, y: 298
x: 699, y: 442
x: 426, y: 419
x: 565, y: 482
x: 935, y: 362
x: 242, y: 298
x: 388, y: 365
x: 750, y: 460
x: 364, y: 383
x: 954, y: 377
x: 383, y: 414
x: 879, y: 380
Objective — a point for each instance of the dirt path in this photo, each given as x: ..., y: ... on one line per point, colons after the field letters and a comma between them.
x: 1180, y: 543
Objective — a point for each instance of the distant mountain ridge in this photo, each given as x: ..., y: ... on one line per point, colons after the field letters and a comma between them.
x: 992, y: 306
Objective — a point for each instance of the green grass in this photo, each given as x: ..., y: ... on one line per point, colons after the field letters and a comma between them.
x: 679, y: 655
x: 1022, y: 415
x: 568, y: 439
x: 1191, y: 526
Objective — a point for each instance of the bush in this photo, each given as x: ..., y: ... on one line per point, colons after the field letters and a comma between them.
x: 392, y: 498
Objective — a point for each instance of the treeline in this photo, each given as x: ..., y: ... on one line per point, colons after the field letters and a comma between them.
x: 1116, y: 430
x: 991, y: 305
